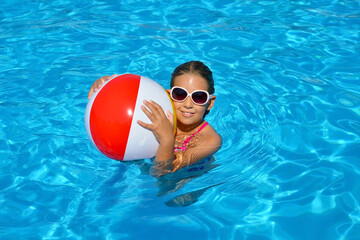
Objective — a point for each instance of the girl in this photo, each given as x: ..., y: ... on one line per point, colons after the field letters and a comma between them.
x: 192, y: 88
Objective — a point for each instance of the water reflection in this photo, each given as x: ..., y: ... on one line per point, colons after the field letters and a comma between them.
x: 189, y: 198
x: 175, y: 181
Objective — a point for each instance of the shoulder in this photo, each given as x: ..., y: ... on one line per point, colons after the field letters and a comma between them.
x: 211, y: 137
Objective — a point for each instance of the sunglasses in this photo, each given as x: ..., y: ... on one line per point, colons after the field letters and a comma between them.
x: 199, y: 97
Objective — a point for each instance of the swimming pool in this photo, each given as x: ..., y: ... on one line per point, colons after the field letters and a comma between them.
x: 288, y: 109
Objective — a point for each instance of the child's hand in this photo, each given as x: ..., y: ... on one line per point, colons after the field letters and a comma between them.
x: 161, y: 125
x: 98, y: 83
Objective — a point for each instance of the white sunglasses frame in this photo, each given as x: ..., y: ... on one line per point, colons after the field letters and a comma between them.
x: 190, y: 94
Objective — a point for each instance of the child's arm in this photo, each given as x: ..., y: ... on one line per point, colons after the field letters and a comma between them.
x: 162, y: 127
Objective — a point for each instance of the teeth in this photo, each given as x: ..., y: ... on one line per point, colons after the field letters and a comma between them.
x: 187, y: 114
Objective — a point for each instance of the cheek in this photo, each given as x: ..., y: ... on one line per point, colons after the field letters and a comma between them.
x: 177, y: 105
x: 201, y: 109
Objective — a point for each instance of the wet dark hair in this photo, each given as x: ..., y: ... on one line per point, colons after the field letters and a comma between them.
x: 197, y: 68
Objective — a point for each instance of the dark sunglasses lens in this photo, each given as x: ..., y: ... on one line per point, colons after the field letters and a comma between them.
x: 199, y: 97
x: 179, y: 94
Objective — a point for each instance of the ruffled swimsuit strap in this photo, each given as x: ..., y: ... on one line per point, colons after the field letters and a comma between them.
x: 183, y: 148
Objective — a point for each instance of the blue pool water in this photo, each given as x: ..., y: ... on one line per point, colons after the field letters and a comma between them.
x: 287, y: 79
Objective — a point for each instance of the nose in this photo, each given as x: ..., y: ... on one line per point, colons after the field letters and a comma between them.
x: 188, y: 102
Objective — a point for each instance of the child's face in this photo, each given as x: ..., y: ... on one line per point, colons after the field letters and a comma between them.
x: 187, y: 112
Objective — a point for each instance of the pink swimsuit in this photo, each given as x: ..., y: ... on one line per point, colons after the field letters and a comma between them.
x: 183, y: 147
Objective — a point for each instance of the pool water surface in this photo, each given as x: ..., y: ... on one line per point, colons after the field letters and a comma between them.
x: 288, y: 109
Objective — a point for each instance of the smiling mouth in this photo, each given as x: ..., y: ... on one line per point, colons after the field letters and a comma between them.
x: 187, y: 114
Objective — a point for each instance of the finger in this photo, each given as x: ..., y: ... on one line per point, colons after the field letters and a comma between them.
x: 100, y: 82
x: 95, y: 89
x: 95, y: 86
x: 151, y: 106
x: 170, y: 117
x: 148, y: 113
x: 144, y: 125
x: 158, y: 108
x: 90, y: 93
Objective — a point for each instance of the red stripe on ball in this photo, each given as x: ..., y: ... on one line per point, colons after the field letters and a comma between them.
x: 111, y: 115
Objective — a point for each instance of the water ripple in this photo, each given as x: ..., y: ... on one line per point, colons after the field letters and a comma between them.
x: 287, y: 107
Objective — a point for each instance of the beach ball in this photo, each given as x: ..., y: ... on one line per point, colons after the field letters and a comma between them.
x: 112, y: 112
